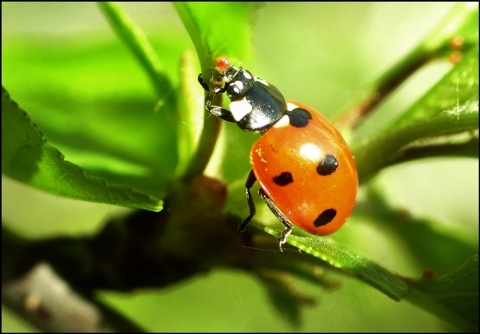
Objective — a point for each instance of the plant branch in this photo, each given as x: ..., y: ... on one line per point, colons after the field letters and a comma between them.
x: 38, y: 294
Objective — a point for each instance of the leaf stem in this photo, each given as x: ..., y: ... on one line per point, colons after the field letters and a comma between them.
x: 195, y: 147
x: 206, y: 144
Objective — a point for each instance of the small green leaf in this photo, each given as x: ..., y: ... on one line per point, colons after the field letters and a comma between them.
x: 348, y: 262
x: 138, y: 43
x: 452, y: 297
x: 449, y: 108
x: 28, y: 158
x: 218, y: 28
x: 460, y: 24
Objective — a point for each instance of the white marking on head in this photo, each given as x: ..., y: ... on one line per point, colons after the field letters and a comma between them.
x: 311, y: 152
x: 247, y: 74
x: 240, y: 108
x: 282, y: 122
x: 237, y: 86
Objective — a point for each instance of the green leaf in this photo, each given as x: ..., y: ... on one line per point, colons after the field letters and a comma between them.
x: 348, y: 262
x: 453, y: 101
x: 285, y: 297
x: 458, y: 32
x: 449, y: 108
x: 212, y: 27
x: 218, y: 28
x: 430, y: 243
x: 138, y: 43
x: 96, y: 107
x: 28, y: 158
x: 452, y: 297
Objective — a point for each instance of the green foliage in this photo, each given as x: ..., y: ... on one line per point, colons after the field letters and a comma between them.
x: 110, y: 136
x: 209, y: 40
x: 433, y: 123
x: 349, y: 262
x: 453, y: 295
x: 28, y: 158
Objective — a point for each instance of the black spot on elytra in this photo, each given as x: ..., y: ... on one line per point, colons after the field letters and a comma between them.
x: 283, y: 179
x: 298, y: 117
x: 328, y: 165
x: 325, y: 217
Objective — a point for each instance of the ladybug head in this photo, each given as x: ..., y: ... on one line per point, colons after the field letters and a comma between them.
x: 255, y: 105
x: 237, y: 80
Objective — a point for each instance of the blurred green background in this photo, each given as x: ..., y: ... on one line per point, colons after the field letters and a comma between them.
x: 323, y: 54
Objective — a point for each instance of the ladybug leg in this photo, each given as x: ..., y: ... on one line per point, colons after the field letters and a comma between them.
x: 279, y: 214
x: 218, y: 111
x: 251, y: 179
x: 203, y: 83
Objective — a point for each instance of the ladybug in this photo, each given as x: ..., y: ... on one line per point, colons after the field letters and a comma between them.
x: 306, y: 172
